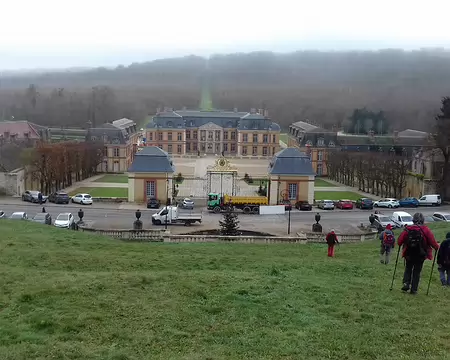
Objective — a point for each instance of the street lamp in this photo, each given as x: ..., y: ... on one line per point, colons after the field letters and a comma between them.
x: 167, y: 202
x: 289, y: 219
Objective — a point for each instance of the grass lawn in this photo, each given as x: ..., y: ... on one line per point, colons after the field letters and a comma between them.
x: 284, y: 138
x: 102, y: 192
x: 114, y: 178
x: 257, y: 182
x: 336, y: 195
x: 323, y: 183
x: 65, y: 294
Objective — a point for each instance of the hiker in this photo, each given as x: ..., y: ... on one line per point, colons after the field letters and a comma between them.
x: 443, y: 261
x: 40, y: 198
x: 331, y: 240
x: 417, y: 241
x: 387, y: 244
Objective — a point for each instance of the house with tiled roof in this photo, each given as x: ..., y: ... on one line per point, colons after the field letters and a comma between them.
x: 21, y: 130
x: 120, y: 138
x: 245, y: 133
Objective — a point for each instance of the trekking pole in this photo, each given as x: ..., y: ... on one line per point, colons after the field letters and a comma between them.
x: 395, y: 268
x: 431, y: 275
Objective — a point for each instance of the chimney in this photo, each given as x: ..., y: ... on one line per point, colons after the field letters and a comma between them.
x: 396, y: 134
x: 158, y: 110
x: 252, y: 110
x: 235, y: 109
x: 260, y: 111
x: 266, y: 113
x: 184, y: 108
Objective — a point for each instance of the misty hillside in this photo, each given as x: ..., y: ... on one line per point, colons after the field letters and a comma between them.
x: 320, y: 86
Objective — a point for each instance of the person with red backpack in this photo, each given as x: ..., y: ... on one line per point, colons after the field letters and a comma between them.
x: 417, y: 241
x: 331, y: 240
x: 387, y: 244
x: 443, y: 261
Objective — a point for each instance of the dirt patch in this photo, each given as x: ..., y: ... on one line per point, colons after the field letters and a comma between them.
x: 217, y: 233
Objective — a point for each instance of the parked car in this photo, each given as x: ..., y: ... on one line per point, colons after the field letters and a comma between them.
x: 64, y: 220
x: 387, y: 202
x: 441, y: 216
x: 83, y: 199
x: 402, y: 218
x: 287, y: 205
x: 59, y: 197
x: 153, y: 203
x: 430, y: 200
x: 409, y: 202
x: 33, y: 196
x: 344, y: 204
x: 364, y: 203
x: 326, y: 204
x: 429, y: 219
x: 187, y: 204
x: 384, y: 220
x: 42, y: 218
x: 20, y: 215
x: 303, y: 205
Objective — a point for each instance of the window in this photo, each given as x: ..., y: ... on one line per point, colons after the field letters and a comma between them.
x: 160, y: 136
x: 293, y: 191
x: 194, y: 134
x: 217, y: 135
x: 179, y: 149
x: 210, y: 135
x: 245, y: 138
x: 274, y: 138
x: 233, y: 135
x: 150, y: 136
x: 169, y: 148
x: 203, y: 135
x: 255, y: 138
x: 233, y: 147
x: 320, y: 142
x: 265, y: 138
x: 255, y: 150
x: 116, y: 152
x: 105, y: 151
x: 225, y: 147
x: 320, y: 155
x: 169, y: 136
x: 150, y: 189
x: 188, y: 134
x: 188, y: 147
x: 225, y: 135
x: 319, y: 169
x: 264, y: 150
x: 244, y: 150
x: 179, y: 136
x: 194, y: 147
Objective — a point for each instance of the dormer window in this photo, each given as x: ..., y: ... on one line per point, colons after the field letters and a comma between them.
x: 320, y: 142
x: 331, y: 143
x: 169, y: 124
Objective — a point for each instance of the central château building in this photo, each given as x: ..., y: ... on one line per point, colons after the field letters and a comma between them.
x: 214, y: 132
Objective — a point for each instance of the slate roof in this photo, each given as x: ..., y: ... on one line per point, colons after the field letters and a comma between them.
x: 183, y: 119
x: 151, y: 159
x: 291, y: 161
x: 116, y: 132
x: 20, y: 128
x: 123, y: 123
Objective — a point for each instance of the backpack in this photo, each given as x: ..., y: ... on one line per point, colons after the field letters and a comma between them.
x: 416, y: 246
x: 331, y: 239
x: 446, y: 255
x: 388, y: 239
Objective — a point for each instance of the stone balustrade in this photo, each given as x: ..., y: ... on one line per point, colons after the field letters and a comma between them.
x: 151, y: 235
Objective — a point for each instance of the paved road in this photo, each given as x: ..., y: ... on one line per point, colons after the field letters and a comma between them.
x: 105, y: 215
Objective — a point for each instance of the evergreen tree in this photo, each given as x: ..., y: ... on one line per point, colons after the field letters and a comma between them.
x: 230, y: 223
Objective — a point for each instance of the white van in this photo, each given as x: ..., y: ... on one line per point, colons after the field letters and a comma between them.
x: 402, y: 218
x: 430, y: 200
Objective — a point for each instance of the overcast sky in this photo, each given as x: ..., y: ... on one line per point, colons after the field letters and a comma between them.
x: 50, y: 33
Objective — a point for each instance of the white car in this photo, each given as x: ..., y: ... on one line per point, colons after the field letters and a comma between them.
x: 387, y: 202
x: 20, y: 215
x: 441, y: 216
x: 83, y: 199
x: 384, y: 220
x: 402, y: 218
x: 64, y: 220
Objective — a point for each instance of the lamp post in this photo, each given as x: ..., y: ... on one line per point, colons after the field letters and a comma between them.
x: 167, y: 202
x: 289, y: 220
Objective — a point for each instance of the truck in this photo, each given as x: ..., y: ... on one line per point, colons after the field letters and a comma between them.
x: 173, y: 215
x: 248, y: 204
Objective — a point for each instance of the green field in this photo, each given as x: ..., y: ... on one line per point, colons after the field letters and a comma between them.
x: 113, y: 178
x: 68, y: 295
x: 284, y: 138
x: 323, y: 183
x: 336, y: 195
x: 102, y: 191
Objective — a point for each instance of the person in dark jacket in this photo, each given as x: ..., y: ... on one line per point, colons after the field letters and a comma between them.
x: 331, y: 240
x: 387, y: 244
x: 443, y: 261
x: 417, y: 241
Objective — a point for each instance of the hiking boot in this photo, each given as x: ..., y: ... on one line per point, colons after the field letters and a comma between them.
x: 405, y: 287
x: 413, y: 292
x: 382, y: 261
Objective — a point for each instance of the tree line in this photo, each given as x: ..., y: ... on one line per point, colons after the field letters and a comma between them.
x: 324, y: 87
x: 57, y: 165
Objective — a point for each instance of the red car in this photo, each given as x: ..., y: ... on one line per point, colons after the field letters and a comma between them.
x: 344, y: 204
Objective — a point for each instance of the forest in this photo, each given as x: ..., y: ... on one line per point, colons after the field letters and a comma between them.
x: 404, y: 87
